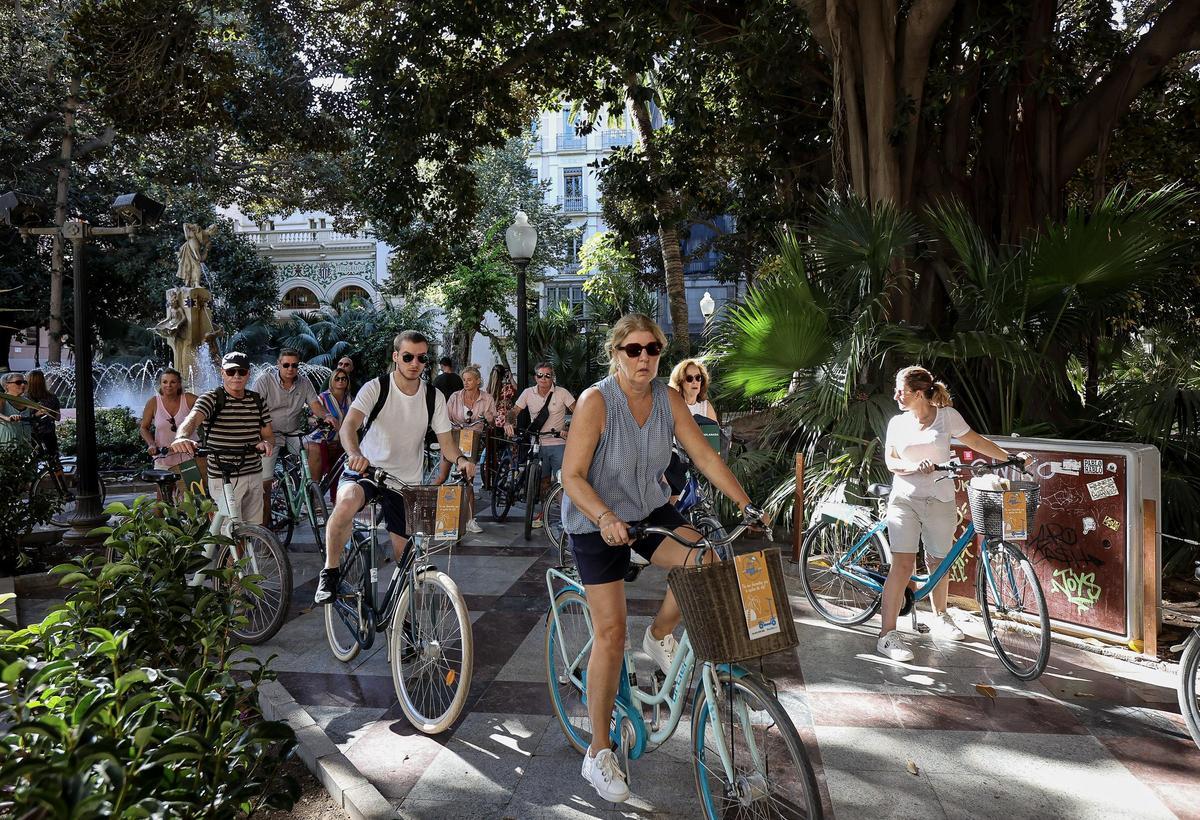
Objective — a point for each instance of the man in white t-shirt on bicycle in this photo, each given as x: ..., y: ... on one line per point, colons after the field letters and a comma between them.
x: 394, y: 443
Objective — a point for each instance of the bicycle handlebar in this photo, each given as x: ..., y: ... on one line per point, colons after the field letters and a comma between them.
x: 378, y: 476
x: 980, y: 469
x: 751, y: 516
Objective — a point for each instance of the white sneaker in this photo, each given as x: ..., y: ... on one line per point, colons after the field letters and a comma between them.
x: 892, y: 646
x: 605, y: 775
x: 944, y: 627
x: 661, y: 652
x: 473, y: 527
x: 536, y: 524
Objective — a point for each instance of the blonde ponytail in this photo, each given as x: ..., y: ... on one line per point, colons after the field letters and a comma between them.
x: 940, y: 395
x: 919, y: 380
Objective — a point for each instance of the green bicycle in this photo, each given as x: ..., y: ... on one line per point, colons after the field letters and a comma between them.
x: 296, y: 496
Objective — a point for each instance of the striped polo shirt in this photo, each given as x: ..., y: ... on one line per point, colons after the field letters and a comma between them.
x: 240, y: 422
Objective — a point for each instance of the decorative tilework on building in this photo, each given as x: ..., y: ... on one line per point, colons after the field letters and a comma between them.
x: 325, y: 273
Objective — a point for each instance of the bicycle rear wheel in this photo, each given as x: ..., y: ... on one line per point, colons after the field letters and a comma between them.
x: 1014, y: 609
x: 829, y: 563
x: 502, y: 484
x: 552, y: 521
x: 533, y: 486
x: 345, y: 615
x: 262, y: 582
x: 320, y: 513
x: 431, y: 652
x: 1189, y: 684
x: 772, y: 775
x: 566, y: 679
x: 283, y: 523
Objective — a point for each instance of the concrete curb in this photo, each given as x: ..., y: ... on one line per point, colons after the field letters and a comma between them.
x: 341, y: 778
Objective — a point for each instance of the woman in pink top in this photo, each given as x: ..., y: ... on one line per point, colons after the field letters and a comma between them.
x: 165, y: 412
x: 470, y: 409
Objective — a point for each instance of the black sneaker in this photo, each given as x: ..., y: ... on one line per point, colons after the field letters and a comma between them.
x: 327, y: 584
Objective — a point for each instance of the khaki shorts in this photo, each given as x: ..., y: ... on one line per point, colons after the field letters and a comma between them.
x: 912, y: 521
x: 247, y: 497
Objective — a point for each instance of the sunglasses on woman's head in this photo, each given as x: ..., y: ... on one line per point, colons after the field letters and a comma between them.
x: 696, y: 378
x: 423, y: 358
x: 633, y: 349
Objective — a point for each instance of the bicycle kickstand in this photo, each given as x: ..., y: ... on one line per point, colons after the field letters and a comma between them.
x: 917, y: 625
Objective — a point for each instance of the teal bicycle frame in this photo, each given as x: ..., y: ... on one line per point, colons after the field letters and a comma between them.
x: 672, y: 691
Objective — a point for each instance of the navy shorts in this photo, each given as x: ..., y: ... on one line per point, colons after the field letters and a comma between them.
x: 390, y: 502
x: 601, y: 563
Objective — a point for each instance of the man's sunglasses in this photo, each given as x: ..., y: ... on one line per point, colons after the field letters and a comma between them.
x: 21, y: 382
x: 236, y: 371
x: 633, y: 349
x: 423, y: 358
x: 291, y: 366
x: 696, y: 378
x: 545, y: 375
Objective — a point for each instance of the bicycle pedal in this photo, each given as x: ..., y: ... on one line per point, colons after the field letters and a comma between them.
x: 923, y: 629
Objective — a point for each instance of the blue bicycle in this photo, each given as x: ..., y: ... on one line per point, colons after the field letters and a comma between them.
x: 845, y: 559
x: 747, y: 756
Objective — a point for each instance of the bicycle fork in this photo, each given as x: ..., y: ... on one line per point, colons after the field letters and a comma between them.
x: 745, y: 788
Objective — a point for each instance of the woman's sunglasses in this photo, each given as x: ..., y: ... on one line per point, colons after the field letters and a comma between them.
x: 423, y: 358
x: 633, y: 349
x: 696, y: 378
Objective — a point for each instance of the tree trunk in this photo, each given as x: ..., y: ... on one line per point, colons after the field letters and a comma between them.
x: 6, y: 335
x: 668, y: 236
x: 54, y: 355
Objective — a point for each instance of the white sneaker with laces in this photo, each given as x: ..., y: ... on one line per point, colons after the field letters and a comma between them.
x: 473, y: 527
x: 892, y: 646
x: 605, y: 775
x: 944, y: 627
x: 661, y: 652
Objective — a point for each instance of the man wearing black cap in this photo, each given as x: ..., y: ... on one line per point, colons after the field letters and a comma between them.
x: 232, y: 417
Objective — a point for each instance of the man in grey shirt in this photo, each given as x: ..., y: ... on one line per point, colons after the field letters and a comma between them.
x: 285, y: 395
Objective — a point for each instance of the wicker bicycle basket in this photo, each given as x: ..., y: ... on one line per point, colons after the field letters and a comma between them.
x: 713, y: 614
x: 420, y: 510
x: 987, y: 506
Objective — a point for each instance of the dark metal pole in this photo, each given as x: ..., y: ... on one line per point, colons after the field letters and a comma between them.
x: 522, y: 327
x: 88, y: 513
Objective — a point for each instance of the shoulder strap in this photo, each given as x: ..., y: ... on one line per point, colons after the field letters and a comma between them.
x: 380, y: 401
x: 429, y: 403
x: 218, y: 406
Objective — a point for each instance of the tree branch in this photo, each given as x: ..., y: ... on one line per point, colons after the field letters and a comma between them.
x: 1096, y: 114
x: 103, y: 140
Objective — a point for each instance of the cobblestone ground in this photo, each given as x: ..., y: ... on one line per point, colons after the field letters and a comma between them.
x: 949, y: 735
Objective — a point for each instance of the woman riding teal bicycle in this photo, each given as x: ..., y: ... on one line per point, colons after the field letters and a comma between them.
x: 921, y: 507
x: 619, y: 448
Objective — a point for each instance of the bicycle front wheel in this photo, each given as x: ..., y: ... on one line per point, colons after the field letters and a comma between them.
x: 1014, y: 609
x: 431, y: 652
x: 283, y: 523
x: 552, y: 521
x: 833, y: 564
x: 533, y: 488
x: 1189, y: 684
x: 502, y: 488
x: 566, y: 666
x: 262, y: 581
x: 749, y: 731
x: 345, y: 616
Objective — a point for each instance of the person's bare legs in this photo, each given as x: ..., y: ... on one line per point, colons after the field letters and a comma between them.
x: 673, y: 554
x: 606, y: 602
x: 350, y: 499
x: 903, y: 564
x: 941, y: 592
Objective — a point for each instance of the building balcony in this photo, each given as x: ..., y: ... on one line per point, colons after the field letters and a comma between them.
x: 571, y: 142
x: 308, y: 238
x: 616, y: 138
x: 573, y: 204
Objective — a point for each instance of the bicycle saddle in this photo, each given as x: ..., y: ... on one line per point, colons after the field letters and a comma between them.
x: 159, y: 476
x: 879, y: 490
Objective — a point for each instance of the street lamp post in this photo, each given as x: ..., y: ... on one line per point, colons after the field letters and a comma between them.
x: 138, y: 210
x: 707, y: 307
x: 521, y: 239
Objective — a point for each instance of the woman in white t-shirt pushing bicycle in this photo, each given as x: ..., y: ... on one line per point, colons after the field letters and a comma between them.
x: 921, y: 508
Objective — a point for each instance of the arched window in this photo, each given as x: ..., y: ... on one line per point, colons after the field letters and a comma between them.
x: 300, y: 299
x: 352, y: 293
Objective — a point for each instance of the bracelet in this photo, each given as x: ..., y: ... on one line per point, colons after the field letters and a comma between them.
x: 600, y: 517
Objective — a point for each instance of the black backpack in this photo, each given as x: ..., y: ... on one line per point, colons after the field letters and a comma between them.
x: 219, y: 399
x: 384, y: 389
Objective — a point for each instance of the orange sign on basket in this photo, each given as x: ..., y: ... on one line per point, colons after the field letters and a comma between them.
x: 1016, y: 523
x: 466, y: 442
x: 449, y: 504
x: 758, y: 599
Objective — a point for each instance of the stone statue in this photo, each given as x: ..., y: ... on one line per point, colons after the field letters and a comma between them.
x: 194, y: 252
x: 174, y: 328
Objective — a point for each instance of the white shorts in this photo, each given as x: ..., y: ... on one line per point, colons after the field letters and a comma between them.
x: 912, y: 521
x: 247, y: 497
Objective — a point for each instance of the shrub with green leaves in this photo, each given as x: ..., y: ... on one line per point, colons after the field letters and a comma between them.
x: 20, y: 511
x: 132, y: 700
x: 118, y: 442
